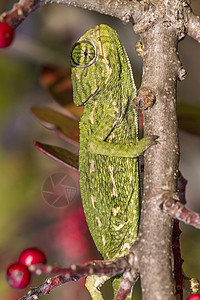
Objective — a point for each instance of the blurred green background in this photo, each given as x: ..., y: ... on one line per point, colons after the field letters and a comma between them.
x: 46, y: 37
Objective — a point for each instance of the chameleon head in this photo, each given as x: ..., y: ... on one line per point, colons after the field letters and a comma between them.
x: 94, y: 59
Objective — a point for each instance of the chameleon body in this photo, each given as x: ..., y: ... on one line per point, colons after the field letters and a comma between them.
x: 109, y: 147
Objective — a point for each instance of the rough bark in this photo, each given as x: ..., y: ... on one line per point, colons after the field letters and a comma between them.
x: 161, y: 67
x: 161, y: 162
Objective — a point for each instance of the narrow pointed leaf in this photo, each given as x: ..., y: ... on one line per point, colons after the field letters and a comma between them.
x: 58, y: 82
x: 59, y: 154
x: 64, y: 126
x: 189, y: 118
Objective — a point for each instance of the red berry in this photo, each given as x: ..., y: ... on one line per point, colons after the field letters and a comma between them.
x: 194, y: 297
x: 72, y: 234
x: 32, y: 256
x: 18, y: 276
x: 6, y: 35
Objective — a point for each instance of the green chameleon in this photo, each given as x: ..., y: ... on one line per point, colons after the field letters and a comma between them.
x: 109, y: 147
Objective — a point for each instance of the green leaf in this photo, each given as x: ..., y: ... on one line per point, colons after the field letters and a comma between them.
x: 61, y: 155
x: 67, y: 128
x: 188, y: 118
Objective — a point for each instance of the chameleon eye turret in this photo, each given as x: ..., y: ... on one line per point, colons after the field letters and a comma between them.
x: 83, y: 54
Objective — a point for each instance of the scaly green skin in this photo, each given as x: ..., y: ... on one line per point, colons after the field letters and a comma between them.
x: 109, y: 147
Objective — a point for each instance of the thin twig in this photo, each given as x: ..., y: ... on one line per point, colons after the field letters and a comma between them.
x: 19, y: 12
x: 178, y: 211
x: 193, y: 27
x: 176, y: 249
x: 182, y: 182
x: 178, y: 261
x: 74, y: 273
x: 129, y: 278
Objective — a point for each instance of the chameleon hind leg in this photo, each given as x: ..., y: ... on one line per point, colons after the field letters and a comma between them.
x: 93, y: 284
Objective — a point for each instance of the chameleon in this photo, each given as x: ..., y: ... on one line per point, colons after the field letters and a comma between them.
x: 109, y: 152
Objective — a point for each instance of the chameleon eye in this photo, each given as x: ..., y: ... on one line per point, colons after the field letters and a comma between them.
x: 83, y: 54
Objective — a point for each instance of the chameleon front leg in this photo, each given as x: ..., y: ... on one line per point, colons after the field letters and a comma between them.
x: 98, y: 145
x: 118, y: 150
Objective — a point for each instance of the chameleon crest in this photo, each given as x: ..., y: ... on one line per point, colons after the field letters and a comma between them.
x: 109, y: 147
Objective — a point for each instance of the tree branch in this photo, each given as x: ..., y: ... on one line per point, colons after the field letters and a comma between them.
x: 129, y: 279
x: 193, y: 26
x: 178, y: 211
x: 124, y: 10
x: 178, y: 261
x: 176, y: 247
x: 74, y: 273
x: 161, y: 67
x: 19, y: 12
x: 119, y: 9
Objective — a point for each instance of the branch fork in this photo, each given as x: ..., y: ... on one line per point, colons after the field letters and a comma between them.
x: 101, y: 268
